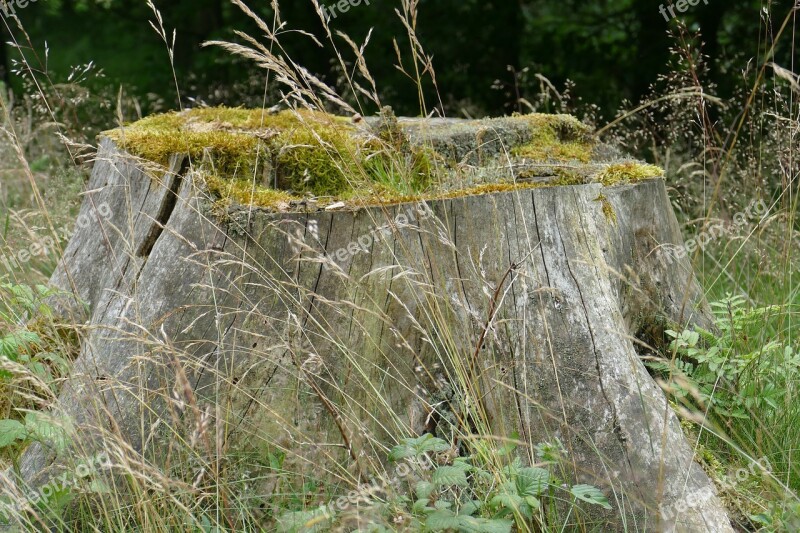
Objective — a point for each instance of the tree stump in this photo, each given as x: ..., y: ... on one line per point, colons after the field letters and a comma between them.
x: 514, y: 300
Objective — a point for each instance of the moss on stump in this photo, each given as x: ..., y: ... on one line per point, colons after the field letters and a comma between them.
x: 273, y: 159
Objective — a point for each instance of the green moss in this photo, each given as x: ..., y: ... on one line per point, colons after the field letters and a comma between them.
x: 271, y: 159
x: 477, y: 190
x: 307, y: 151
x: 556, y: 137
x: 244, y: 192
x: 629, y: 172
x: 157, y: 138
x: 608, y: 209
x: 568, y: 176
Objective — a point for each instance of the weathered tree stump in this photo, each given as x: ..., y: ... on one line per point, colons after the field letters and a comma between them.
x: 329, y: 333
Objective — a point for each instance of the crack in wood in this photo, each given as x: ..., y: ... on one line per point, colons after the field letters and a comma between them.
x: 167, y: 207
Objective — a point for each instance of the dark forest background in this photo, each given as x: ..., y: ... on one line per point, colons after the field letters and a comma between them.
x: 487, y: 53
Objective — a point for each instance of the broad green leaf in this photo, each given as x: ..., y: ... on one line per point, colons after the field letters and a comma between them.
x: 471, y: 507
x: 508, y: 499
x: 57, y: 501
x: 590, y: 494
x: 10, y: 432
x: 533, y: 502
x: 14, y: 344
x: 42, y: 428
x: 98, y: 486
x: 449, y: 475
x: 443, y: 520
x: 60, y: 363
x: 428, y: 443
x: 420, y: 505
x: 480, y: 525
x: 418, y: 446
x: 401, y: 451
x: 423, y: 489
x: 532, y: 481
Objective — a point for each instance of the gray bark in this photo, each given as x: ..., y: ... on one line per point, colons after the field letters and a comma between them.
x: 266, y: 323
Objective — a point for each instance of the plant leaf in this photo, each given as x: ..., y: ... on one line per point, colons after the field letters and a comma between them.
x: 590, y: 494
x: 532, y: 481
x: 449, y: 475
x: 10, y: 432
x: 423, y: 489
x: 442, y: 520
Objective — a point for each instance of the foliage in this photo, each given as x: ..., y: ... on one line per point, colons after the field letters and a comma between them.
x: 619, y: 46
x: 726, y: 376
x: 34, y: 356
x: 470, y: 494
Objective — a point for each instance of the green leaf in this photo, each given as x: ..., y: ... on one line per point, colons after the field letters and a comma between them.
x: 508, y: 498
x: 420, y: 505
x: 10, y: 432
x: 40, y: 371
x: 61, y: 364
x: 469, y: 524
x: 429, y: 443
x: 276, y: 460
x: 98, y: 486
x: 58, y: 500
x: 463, y: 464
x: 42, y: 428
x: 415, y: 447
x: 532, y: 481
x: 533, y: 502
x: 508, y: 447
x: 764, y: 519
x: 14, y: 344
x: 423, y: 489
x: 691, y: 337
x: 550, y: 452
x: 449, y: 475
x: 401, y: 451
x: 304, y: 521
x: 442, y: 520
x: 590, y: 494
x: 471, y: 507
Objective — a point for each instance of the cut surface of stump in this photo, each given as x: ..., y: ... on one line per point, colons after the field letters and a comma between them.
x: 324, y: 288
